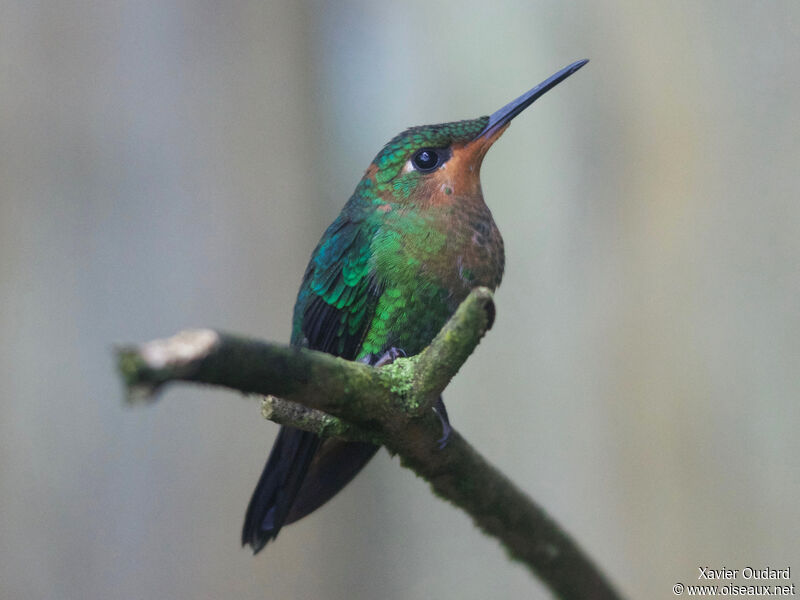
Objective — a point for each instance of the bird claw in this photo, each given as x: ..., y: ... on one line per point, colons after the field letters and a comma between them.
x: 390, y: 356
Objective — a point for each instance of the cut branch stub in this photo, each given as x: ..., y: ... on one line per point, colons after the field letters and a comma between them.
x: 317, y: 380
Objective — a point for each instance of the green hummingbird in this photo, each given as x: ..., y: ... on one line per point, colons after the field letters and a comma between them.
x: 410, y: 243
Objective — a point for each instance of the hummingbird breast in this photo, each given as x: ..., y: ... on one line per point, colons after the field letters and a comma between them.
x: 427, y: 261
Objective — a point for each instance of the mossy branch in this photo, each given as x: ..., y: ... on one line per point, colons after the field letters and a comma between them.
x: 390, y: 405
x: 296, y: 415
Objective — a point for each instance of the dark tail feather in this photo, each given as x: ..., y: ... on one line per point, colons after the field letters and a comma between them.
x: 334, y: 465
x: 302, y: 473
x: 278, y: 486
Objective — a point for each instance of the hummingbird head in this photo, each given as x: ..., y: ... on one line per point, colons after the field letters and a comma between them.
x: 437, y: 164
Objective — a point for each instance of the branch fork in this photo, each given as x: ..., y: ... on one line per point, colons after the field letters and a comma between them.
x: 390, y: 406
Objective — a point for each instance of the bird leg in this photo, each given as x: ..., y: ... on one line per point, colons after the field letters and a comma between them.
x: 447, y: 429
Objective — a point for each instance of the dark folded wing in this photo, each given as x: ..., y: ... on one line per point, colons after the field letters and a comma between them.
x: 334, y: 310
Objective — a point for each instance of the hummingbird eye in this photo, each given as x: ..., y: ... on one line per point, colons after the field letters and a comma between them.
x: 426, y: 160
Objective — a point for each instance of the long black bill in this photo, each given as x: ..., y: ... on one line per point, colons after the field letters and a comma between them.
x: 513, y: 108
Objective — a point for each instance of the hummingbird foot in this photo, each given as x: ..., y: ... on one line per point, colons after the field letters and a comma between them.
x: 447, y: 429
x: 389, y: 357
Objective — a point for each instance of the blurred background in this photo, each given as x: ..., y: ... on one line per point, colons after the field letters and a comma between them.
x: 168, y: 164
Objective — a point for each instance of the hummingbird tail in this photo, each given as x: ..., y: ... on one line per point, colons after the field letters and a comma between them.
x: 334, y: 466
x: 278, y: 486
x: 302, y: 473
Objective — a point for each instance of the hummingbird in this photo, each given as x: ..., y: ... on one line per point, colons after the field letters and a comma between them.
x: 411, y: 242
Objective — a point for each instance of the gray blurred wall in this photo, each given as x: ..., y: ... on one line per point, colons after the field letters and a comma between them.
x: 171, y: 164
